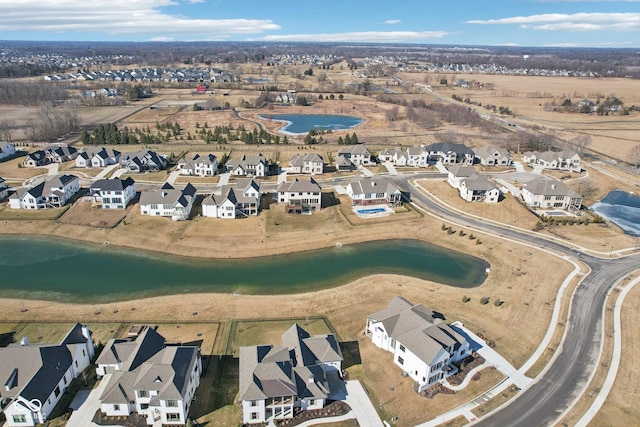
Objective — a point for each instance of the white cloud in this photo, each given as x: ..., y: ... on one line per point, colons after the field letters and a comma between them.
x: 392, y: 21
x: 359, y: 37
x: 571, y: 22
x: 119, y: 17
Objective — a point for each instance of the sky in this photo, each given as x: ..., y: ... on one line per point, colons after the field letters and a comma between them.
x: 558, y: 23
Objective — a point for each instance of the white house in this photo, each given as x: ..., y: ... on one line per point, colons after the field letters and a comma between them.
x: 149, y: 378
x: 53, y: 193
x: 493, y: 156
x: 357, y: 154
x: 6, y: 149
x: 417, y: 157
x: 206, y: 165
x: 300, y: 196
x: 61, y: 154
x: 276, y: 380
x: 309, y: 163
x: 478, y: 188
x: 458, y: 173
x: 36, y: 159
x: 450, y: 153
x: 36, y: 376
x: 374, y: 191
x: 559, y: 160
x: 143, y: 161
x: 249, y: 165
x: 97, y: 157
x: 423, y: 346
x: 168, y: 202
x: 113, y: 193
x: 397, y: 156
x: 549, y: 193
x: 4, y: 189
x: 237, y: 200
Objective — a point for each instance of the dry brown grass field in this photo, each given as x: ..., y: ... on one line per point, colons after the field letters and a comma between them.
x: 526, y: 96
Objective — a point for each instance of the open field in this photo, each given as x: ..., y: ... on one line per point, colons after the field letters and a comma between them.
x: 526, y: 96
x: 83, y: 213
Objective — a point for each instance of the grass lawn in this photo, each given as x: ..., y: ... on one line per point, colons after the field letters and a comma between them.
x: 84, y: 213
x: 6, y: 213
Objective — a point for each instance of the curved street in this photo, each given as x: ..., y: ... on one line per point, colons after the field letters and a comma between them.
x: 556, y: 389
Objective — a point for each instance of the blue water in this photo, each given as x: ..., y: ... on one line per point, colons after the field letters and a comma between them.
x: 303, y: 123
x: 371, y: 210
x: 623, y: 209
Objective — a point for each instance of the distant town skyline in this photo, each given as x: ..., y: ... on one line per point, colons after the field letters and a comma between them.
x: 544, y: 23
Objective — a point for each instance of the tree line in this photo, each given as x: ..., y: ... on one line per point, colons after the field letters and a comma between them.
x: 109, y: 134
x: 16, y: 92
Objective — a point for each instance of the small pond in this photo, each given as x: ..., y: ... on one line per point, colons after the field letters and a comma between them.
x: 621, y: 208
x: 302, y: 123
x: 57, y: 269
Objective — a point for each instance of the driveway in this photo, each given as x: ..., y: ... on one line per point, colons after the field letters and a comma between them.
x: 352, y: 393
x: 104, y: 172
x: 86, y: 403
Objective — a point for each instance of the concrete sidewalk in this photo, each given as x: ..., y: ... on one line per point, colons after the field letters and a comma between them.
x: 361, y: 406
x: 86, y: 403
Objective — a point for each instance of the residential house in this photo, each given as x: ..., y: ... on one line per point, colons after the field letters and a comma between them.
x: 143, y: 161
x: 4, y: 189
x: 6, y: 150
x: 113, y: 193
x: 423, y: 345
x: 237, y: 200
x: 478, y: 188
x: 344, y: 165
x: 149, y: 377
x: 276, y: 380
x: 53, y: 193
x: 300, y: 196
x: 458, y: 173
x: 249, y: 165
x: 36, y: 159
x: 97, y: 157
x: 374, y: 191
x: 549, y: 193
x: 168, y: 202
x: 560, y: 160
x: 417, y: 157
x: 397, y: 156
x: 493, y: 156
x: 60, y: 154
x: 309, y: 163
x: 450, y: 153
x: 35, y: 377
x: 357, y: 154
x: 206, y: 165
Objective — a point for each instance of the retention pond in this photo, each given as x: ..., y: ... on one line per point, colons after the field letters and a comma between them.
x: 61, y: 270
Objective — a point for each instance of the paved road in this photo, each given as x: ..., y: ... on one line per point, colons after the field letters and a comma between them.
x: 553, y: 393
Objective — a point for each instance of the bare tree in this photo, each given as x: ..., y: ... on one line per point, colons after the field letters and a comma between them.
x: 6, y: 130
x: 585, y: 187
x: 580, y: 143
x: 634, y: 156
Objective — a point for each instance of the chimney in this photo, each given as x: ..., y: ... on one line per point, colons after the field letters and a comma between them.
x: 311, y: 379
x: 24, y: 341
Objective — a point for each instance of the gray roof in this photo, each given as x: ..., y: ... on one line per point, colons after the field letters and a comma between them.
x: 478, y: 182
x: 38, y: 368
x: 373, y: 185
x: 446, y: 147
x: 462, y: 171
x: 341, y: 160
x: 305, y: 186
x: 299, y: 160
x: 168, y: 195
x: 490, y: 151
x: 147, y: 363
x: 354, y: 149
x: 295, y: 368
x: 113, y: 184
x: 415, y: 327
x: 550, y: 187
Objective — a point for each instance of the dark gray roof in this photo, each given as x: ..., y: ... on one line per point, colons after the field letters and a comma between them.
x: 308, y: 186
x: 446, y: 147
x: 113, y: 184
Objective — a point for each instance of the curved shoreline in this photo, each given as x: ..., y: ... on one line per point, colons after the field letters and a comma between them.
x: 283, y: 130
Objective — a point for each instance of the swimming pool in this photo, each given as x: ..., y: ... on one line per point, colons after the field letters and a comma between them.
x: 371, y: 211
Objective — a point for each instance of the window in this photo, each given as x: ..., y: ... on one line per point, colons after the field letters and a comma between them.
x: 64, y: 379
x: 142, y: 393
x: 84, y: 353
x: 400, y: 360
x: 312, y: 402
x: 173, y: 416
x: 116, y: 407
x: 402, y: 348
x: 254, y: 403
x: 144, y: 406
x: 56, y: 391
x: 254, y: 415
x: 19, y: 418
x: 172, y: 403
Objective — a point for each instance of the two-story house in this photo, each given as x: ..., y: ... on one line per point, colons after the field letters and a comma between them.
x: 168, y: 202
x: 257, y: 165
x: 559, y: 160
x: 374, y: 191
x: 149, y: 377
x: 423, y: 346
x: 300, y: 196
x: 450, y: 153
x: 198, y: 165
x: 53, y: 193
x: 356, y: 154
x: 309, y: 163
x: 549, y: 193
x: 237, y: 200
x: 97, y: 157
x: 35, y: 377
x: 277, y: 380
x: 113, y: 193
x: 493, y: 156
